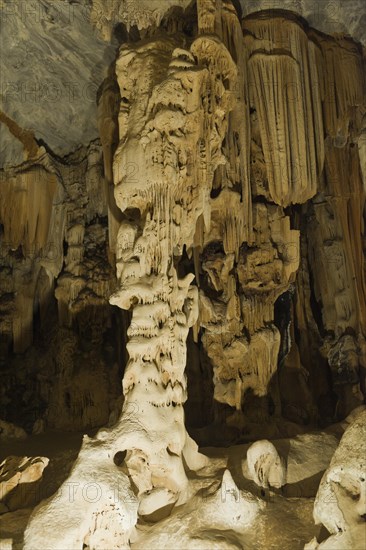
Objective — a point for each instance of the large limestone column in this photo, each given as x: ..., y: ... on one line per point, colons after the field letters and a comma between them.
x: 174, y: 115
x: 176, y: 97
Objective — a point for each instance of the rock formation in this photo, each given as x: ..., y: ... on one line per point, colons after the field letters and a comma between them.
x: 19, y: 480
x: 340, y: 503
x: 231, y: 508
x: 211, y: 239
x: 265, y: 466
x: 274, y: 128
x: 55, y: 284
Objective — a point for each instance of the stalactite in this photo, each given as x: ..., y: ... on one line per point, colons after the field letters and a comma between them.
x: 108, y: 105
x: 343, y: 83
x: 26, y: 208
x: 284, y: 90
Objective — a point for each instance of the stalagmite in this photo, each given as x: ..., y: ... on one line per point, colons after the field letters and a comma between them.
x: 231, y: 508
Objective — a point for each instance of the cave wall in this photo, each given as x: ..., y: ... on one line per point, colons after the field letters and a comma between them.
x: 61, y: 359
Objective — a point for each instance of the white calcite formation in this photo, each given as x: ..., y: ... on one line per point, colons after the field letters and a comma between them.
x: 230, y: 508
x: 294, y: 465
x: 265, y: 467
x: 340, y: 503
x: 178, y: 100
x: 94, y: 506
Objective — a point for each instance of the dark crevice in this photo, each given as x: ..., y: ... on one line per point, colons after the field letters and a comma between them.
x: 316, y: 307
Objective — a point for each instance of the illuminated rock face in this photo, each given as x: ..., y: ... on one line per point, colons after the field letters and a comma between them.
x: 216, y: 140
x: 341, y: 500
x: 340, y: 503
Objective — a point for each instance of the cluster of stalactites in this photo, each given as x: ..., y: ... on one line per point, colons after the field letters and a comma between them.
x: 219, y: 18
x: 285, y: 91
x: 336, y: 243
x: 344, y: 85
x: 30, y: 244
x: 26, y: 199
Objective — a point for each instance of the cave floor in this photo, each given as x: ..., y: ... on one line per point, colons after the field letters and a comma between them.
x: 286, y: 522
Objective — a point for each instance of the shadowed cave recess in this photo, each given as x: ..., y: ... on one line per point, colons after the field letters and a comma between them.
x: 182, y: 277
